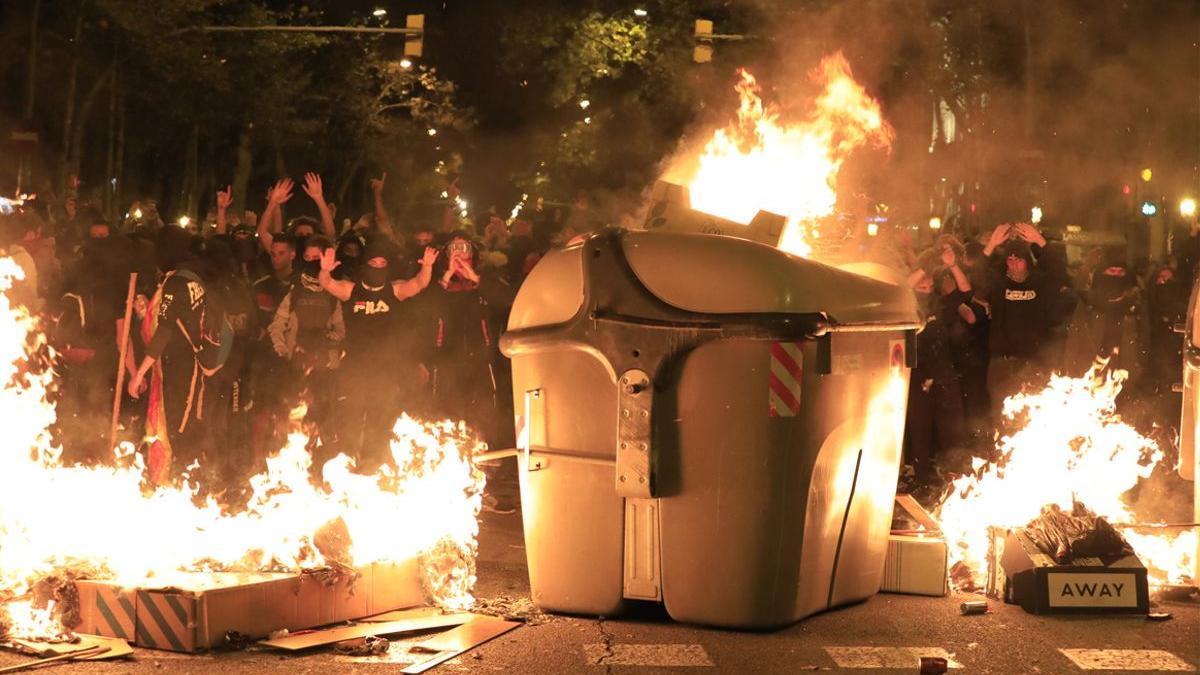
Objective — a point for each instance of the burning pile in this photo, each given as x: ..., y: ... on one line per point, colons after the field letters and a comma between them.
x: 99, y: 520
x: 760, y: 162
x: 1069, y: 446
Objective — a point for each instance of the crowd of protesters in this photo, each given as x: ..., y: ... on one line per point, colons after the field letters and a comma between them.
x: 1005, y: 310
x: 244, y: 325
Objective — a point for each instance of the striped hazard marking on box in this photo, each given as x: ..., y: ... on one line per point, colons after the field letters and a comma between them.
x: 785, y: 378
x: 117, y: 614
x: 164, y: 621
x: 1127, y: 659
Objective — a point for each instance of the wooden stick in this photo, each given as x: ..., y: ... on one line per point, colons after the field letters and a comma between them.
x: 90, y: 651
x: 116, y: 413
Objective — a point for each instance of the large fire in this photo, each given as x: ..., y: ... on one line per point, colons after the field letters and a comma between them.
x: 56, y: 518
x: 761, y: 162
x: 1069, y: 444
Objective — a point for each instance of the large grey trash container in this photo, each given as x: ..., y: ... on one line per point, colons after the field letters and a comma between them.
x: 707, y: 422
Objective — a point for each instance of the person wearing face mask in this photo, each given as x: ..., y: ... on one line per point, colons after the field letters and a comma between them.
x: 1020, y: 312
x: 1105, y: 327
x: 464, y: 377
x: 349, y: 256
x: 367, y: 389
x: 307, y: 332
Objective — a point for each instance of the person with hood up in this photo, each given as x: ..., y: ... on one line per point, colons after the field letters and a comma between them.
x: 1018, y: 301
x: 367, y: 385
x: 1105, y: 329
x: 184, y: 346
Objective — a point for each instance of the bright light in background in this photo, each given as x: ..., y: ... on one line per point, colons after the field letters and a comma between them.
x: 1147, y: 174
x: 137, y: 213
x: 872, y: 229
x: 1187, y: 207
x: 935, y: 223
x: 184, y: 221
x: 432, y: 131
x: 584, y: 103
x: 1149, y: 208
x: 379, y: 12
x: 1074, y: 229
x: 639, y: 12
x: 587, y: 120
x: 406, y: 63
x: 1035, y: 215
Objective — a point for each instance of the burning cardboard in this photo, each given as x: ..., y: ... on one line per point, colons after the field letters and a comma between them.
x: 1023, y: 574
x: 198, y: 614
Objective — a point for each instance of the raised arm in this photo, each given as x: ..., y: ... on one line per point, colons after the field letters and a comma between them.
x: 382, y: 220
x: 315, y: 192
x: 276, y: 196
x: 224, y: 199
x: 999, y: 236
x: 339, y: 289
x: 406, y: 289
x: 1030, y: 234
x: 951, y: 262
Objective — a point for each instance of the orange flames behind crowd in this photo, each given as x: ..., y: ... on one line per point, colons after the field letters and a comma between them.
x: 1069, y: 444
x: 54, y: 517
x: 760, y: 162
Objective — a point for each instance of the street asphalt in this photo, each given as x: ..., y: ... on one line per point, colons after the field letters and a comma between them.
x: 887, y: 633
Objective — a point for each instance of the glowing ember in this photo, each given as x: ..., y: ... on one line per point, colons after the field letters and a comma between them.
x: 423, y: 505
x: 1070, y: 444
x: 759, y: 162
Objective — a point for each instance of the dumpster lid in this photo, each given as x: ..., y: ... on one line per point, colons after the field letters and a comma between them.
x: 714, y: 274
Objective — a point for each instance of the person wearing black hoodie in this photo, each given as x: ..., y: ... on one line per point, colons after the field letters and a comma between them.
x: 1020, y: 312
x: 183, y: 347
x: 86, y: 323
x: 367, y: 388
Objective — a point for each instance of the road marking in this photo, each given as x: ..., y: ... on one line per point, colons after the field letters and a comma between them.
x: 886, y: 657
x: 660, y: 656
x: 1126, y: 659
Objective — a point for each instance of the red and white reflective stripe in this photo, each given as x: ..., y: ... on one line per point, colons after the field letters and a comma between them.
x: 785, y: 378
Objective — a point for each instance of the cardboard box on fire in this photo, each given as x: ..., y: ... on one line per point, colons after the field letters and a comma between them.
x: 1020, y: 573
x: 198, y: 616
x: 916, y: 563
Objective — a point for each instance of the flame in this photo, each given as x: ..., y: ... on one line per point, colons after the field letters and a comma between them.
x: 1070, y: 445
x: 759, y: 162
x: 422, y: 505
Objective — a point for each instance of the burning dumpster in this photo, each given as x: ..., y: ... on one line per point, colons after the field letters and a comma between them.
x: 706, y: 422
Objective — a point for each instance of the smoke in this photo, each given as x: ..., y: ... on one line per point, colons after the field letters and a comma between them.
x: 998, y: 105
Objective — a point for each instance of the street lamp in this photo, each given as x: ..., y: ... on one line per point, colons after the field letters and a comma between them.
x: 639, y: 12
x: 379, y: 11
x: 406, y: 63
x: 184, y: 221
x: 1147, y: 174
x: 935, y: 223
x: 1187, y: 207
x: 1035, y: 215
x: 872, y: 229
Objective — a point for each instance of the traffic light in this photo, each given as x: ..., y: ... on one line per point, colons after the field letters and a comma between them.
x: 703, y: 51
x: 414, y: 43
x: 1149, y: 208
